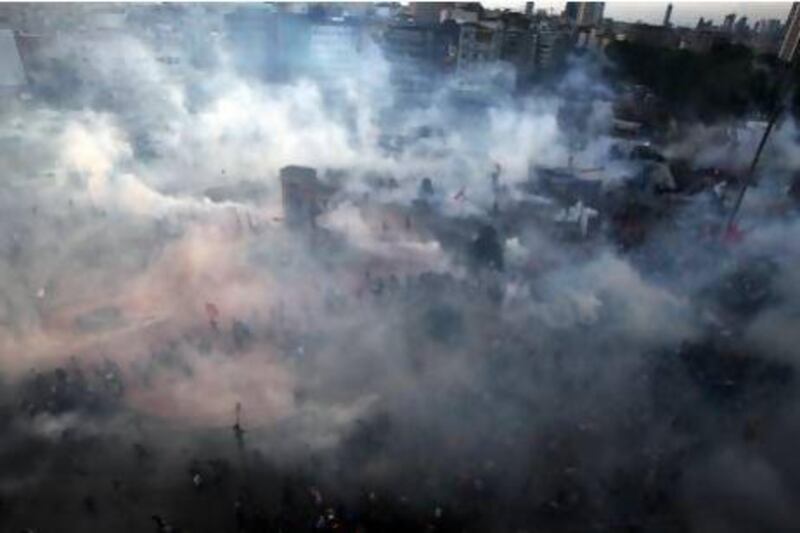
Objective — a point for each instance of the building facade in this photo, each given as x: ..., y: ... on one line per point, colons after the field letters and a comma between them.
x: 477, y: 46
x: 301, y: 196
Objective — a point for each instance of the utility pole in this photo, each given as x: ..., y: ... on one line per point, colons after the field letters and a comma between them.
x: 752, y: 169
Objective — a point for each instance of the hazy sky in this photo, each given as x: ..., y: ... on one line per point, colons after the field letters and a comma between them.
x: 683, y: 13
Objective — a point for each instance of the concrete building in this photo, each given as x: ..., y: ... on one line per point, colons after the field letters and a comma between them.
x: 741, y: 29
x: 768, y: 26
x: 334, y: 51
x: 429, y: 12
x: 584, y: 14
x: 462, y: 16
x: 549, y: 45
x: 279, y: 44
x: 791, y: 36
x: 570, y: 13
x: 590, y: 13
x: 516, y: 47
x: 727, y: 25
x: 480, y: 75
x: 766, y: 37
x: 703, y: 24
x: 477, y: 46
x: 302, y: 196
x: 256, y: 36
x: 419, y: 55
x: 529, y: 9
x: 517, y: 42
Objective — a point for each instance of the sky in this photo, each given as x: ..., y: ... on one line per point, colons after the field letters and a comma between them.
x: 683, y: 13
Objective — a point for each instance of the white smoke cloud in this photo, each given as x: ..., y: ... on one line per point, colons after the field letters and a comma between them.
x: 340, y: 326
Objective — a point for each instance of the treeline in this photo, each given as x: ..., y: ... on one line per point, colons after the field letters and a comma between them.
x: 729, y: 81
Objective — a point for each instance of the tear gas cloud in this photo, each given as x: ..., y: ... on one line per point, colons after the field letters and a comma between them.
x: 374, y: 356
